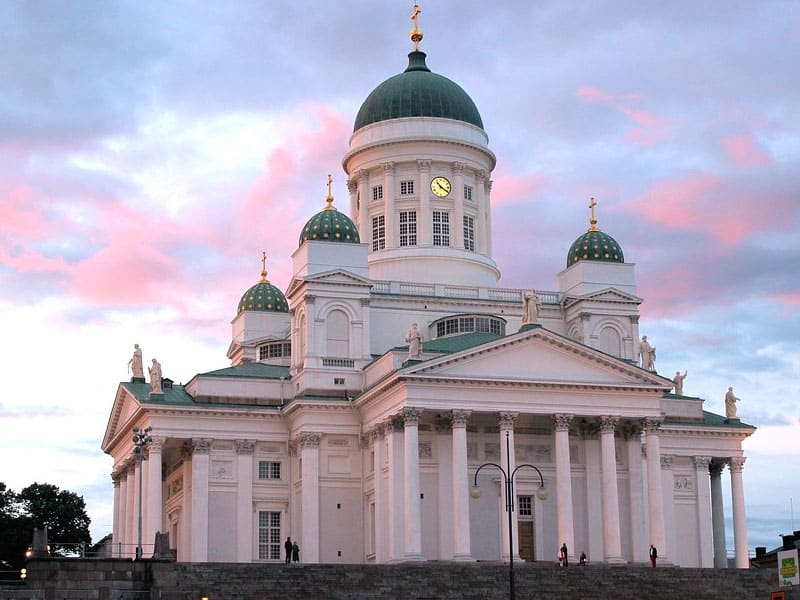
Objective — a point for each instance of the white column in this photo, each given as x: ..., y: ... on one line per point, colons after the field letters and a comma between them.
x: 365, y: 197
x: 458, y: 205
x: 118, y: 477
x: 639, y: 545
x: 566, y: 525
x: 413, y: 512
x: 594, y: 501
x: 390, y: 219
x: 381, y: 529
x: 509, y: 462
x: 396, y: 516
x: 706, y: 547
x: 655, y: 497
x: 154, y: 500
x: 309, y: 511
x: 352, y: 188
x: 129, y: 550
x: 445, y: 509
x: 668, y: 502
x: 737, y: 504
x: 244, y: 500
x: 201, y: 449
x: 424, y: 225
x: 718, y: 516
x: 482, y: 224
x: 611, y: 535
x: 461, y: 530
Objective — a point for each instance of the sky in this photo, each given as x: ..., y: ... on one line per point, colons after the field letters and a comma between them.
x: 150, y: 151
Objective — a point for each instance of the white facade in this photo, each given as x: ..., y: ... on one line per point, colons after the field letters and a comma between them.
x: 323, y: 429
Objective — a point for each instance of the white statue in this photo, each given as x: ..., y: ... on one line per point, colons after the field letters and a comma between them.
x: 414, y: 339
x: 135, y: 363
x: 730, y: 404
x: 678, y: 381
x: 648, y: 354
x: 530, y: 308
x: 155, y: 378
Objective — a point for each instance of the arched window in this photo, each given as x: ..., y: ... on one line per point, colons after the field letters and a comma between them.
x: 609, y: 341
x: 337, y: 334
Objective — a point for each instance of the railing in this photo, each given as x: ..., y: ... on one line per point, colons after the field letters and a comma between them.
x: 402, y: 288
x: 339, y: 363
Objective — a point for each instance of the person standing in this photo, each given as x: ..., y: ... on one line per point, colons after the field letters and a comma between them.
x: 653, y: 556
x: 564, y: 554
x: 287, y: 545
x: 295, y: 552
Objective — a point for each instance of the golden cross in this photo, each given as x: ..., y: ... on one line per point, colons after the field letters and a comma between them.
x: 592, y: 220
x: 263, y: 266
x: 416, y: 33
x: 329, y: 185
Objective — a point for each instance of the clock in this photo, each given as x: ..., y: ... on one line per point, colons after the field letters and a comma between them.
x: 440, y: 186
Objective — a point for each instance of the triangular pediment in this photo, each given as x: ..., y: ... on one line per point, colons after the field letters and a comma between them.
x: 335, y: 276
x: 125, y: 406
x: 539, y: 356
x: 605, y: 295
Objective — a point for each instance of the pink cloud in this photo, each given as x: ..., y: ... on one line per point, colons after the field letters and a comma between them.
x: 649, y: 128
x: 743, y: 151
x: 508, y: 189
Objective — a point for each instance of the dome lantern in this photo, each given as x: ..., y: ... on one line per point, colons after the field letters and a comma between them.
x: 594, y: 244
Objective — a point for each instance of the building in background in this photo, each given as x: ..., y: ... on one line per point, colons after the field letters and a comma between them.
x: 359, y: 403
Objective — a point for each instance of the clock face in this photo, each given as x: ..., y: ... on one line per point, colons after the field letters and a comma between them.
x: 440, y: 186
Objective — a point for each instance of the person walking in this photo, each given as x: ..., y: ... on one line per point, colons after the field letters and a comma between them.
x: 564, y: 555
x: 653, y: 555
x: 287, y: 545
x: 295, y: 552
x: 582, y: 561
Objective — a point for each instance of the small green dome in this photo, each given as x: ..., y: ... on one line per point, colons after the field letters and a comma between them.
x: 264, y: 297
x: 417, y: 92
x: 329, y: 225
x: 595, y: 245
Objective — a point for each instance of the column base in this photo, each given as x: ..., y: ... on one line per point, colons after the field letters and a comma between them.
x: 463, y: 558
x: 413, y: 558
x: 616, y: 561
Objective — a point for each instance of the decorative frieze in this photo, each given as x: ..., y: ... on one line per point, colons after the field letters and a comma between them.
x: 309, y: 440
x: 337, y: 442
x: 683, y: 485
x: 425, y: 450
x: 666, y: 461
x: 222, y: 469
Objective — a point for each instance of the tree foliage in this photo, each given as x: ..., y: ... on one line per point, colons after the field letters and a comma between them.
x: 40, y: 505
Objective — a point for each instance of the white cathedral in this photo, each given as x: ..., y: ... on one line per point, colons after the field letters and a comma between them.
x: 360, y: 403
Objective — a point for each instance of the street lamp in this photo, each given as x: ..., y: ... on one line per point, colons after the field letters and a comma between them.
x: 141, y: 439
x: 508, y: 478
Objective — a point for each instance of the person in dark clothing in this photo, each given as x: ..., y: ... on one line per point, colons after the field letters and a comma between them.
x: 582, y: 561
x: 287, y: 545
x: 295, y: 552
x: 564, y: 554
x: 653, y: 556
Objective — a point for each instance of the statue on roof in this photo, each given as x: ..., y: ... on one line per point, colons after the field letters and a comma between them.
x: 135, y: 363
x: 531, y: 303
x: 730, y: 404
x: 414, y: 339
x: 647, y: 354
x: 155, y: 378
x: 678, y: 381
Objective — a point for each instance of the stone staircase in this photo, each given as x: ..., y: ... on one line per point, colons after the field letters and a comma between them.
x: 74, y: 579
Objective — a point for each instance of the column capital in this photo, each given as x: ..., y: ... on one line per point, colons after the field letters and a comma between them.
x: 717, y: 466
x: 424, y: 164
x: 352, y: 185
x: 245, y: 446
x: 309, y: 440
x: 459, y: 418
x: 701, y: 463
x: 393, y: 424
x: 608, y: 424
x: 377, y: 432
x: 388, y: 167
x: 562, y: 421
x: 363, y: 176
x: 736, y: 464
x: 458, y: 167
x: 411, y: 416
x: 201, y: 446
x: 507, y: 420
x: 157, y: 444
x: 652, y: 425
x: 115, y: 477
x: 666, y: 461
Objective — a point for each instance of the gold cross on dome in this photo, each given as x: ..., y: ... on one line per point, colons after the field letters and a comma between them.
x: 264, y: 267
x: 416, y: 33
x: 592, y: 220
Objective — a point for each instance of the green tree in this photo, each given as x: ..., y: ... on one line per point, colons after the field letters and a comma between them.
x: 61, y: 511
x: 15, y: 531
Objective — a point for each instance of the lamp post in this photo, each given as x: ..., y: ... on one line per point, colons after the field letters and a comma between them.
x: 508, y: 478
x: 141, y: 439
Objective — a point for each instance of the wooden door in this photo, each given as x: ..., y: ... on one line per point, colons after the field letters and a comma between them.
x: 526, y: 540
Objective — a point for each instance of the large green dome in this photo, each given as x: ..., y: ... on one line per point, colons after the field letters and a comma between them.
x: 329, y: 225
x: 263, y: 296
x: 595, y: 245
x: 417, y: 92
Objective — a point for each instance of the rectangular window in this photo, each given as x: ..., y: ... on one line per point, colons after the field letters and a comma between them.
x: 406, y: 188
x: 482, y: 324
x: 378, y: 233
x: 269, y: 469
x: 269, y: 535
x: 524, y: 504
x: 274, y: 350
x: 377, y: 192
x: 408, y: 228
x: 441, y: 228
x: 469, y: 233
x: 468, y: 193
